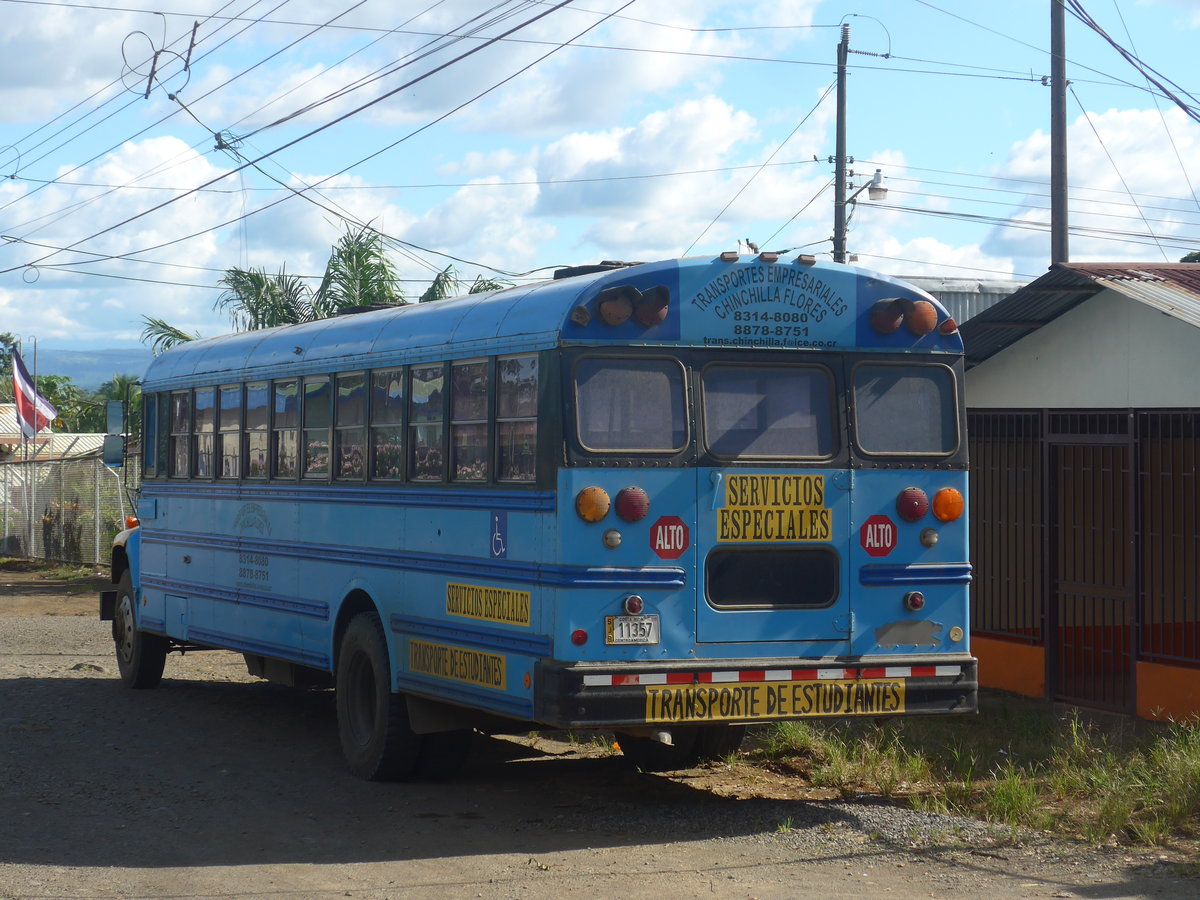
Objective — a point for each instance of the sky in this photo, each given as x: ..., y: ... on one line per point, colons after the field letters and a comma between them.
x: 145, y: 150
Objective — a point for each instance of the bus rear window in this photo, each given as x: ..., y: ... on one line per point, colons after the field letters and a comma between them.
x: 905, y: 409
x: 630, y: 405
x: 768, y: 412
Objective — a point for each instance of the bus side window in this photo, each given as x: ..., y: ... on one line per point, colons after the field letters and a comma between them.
x: 516, y: 418
x: 387, y: 424
x: 164, y: 433
x: 257, y: 434
x: 229, y: 430
x: 468, y: 421
x: 150, y: 435
x: 425, y: 400
x: 284, y: 424
x: 204, y: 417
x: 350, y: 419
x: 316, y: 426
x: 181, y: 433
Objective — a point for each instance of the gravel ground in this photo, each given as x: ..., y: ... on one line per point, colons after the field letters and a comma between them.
x: 216, y: 785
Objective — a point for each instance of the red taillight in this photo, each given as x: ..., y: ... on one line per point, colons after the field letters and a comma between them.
x: 949, y: 326
x: 886, y: 316
x: 651, y: 307
x: 912, y: 504
x: 634, y: 605
x: 914, y: 600
x: 578, y: 637
x: 632, y: 504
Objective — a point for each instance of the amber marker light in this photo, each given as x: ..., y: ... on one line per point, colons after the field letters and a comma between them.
x: 592, y: 504
x: 921, y: 318
x: 948, y: 504
x: 615, y: 305
x: 132, y: 522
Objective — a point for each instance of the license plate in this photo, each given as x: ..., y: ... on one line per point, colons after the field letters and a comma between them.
x: 631, y: 630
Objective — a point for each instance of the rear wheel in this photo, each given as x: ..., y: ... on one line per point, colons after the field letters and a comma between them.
x: 690, y: 746
x: 140, y: 656
x: 377, y: 739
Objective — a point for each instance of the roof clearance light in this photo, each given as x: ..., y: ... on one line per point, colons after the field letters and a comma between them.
x: 592, y: 504
x: 886, y: 316
x: 632, y: 504
x: 615, y: 305
x: 806, y: 259
x: 921, y: 318
x: 948, y: 504
x: 651, y: 307
x: 768, y: 256
x: 912, y: 504
x: 729, y: 256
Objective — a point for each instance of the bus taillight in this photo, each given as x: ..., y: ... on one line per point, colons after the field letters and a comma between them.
x: 912, y: 504
x: 632, y: 504
x: 948, y: 504
x: 592, y: 504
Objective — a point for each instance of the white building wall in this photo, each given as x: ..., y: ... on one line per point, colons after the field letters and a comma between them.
x: 1108, y: 352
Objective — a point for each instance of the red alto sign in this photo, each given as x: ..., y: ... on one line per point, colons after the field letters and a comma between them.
x: 878, y: 535
x: 669, y: 537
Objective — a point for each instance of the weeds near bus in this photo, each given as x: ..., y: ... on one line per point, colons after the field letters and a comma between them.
x: 1019, y: 764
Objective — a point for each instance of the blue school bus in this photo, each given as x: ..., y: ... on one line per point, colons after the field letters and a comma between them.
x: 665, y: 499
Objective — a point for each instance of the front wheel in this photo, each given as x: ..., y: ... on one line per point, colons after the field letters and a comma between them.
x: 140, y: 656
x: 377, y: 739
x: 690, y: 746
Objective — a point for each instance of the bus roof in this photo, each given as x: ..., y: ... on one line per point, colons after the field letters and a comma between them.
x: 702, y: 301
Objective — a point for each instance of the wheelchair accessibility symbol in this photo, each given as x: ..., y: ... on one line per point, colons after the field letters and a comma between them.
x: 499, y: 535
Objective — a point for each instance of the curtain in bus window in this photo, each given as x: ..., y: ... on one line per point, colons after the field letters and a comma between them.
x: 630, y: 405
x: 205, y: 417
x: 468, y: 421
x: 905, y: 409
x: 387, y: 424
x: 181, y: 434
x: 757, y: 412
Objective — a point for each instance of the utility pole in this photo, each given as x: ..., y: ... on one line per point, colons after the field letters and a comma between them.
x: 1058, y: 134
x: 839, y: 161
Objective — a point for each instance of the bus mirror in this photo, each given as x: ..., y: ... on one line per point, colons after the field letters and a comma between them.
x: 113, y: 450
x: 114, y: 412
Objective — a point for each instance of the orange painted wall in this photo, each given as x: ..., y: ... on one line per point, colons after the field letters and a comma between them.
x: 1166, y: 692
x: 1009, y: 666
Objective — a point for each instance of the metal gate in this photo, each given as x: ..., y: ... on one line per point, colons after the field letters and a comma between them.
x: 1093, y: 611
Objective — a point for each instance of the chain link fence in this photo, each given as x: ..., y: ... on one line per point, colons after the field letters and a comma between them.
x: 65, y: 510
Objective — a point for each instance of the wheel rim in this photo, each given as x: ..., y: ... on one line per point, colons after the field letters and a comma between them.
x: 123, y: 633
x: 361, y: 703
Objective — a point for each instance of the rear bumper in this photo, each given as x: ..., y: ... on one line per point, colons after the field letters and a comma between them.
x: 577, y: 695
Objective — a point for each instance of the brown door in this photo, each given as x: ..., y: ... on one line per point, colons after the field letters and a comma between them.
x: 1092, y: 576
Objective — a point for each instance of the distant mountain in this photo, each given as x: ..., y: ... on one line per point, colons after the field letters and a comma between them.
x: 91, y: 368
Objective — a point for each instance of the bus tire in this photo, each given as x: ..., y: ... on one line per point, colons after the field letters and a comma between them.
x: 692, y: 745
x: 141, y: 657
x: 377, y: 740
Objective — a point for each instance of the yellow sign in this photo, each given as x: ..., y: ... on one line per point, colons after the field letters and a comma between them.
x: 745, y: 701
x: 491, y: 604
x: 458, y: 663
x: 774, y: 508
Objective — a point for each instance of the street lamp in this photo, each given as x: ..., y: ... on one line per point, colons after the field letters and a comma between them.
x: 876, y: 190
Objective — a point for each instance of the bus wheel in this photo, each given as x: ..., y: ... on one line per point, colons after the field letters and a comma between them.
x: 140, y: 656
x: 690, y: 746
x: 377, y: 740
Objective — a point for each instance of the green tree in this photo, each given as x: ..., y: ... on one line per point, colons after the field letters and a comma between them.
x: 1194, y: 256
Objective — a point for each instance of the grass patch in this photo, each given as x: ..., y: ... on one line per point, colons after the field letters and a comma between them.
x: 1019, y: 763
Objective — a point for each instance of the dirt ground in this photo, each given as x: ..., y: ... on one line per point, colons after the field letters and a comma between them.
x: 217, y: 785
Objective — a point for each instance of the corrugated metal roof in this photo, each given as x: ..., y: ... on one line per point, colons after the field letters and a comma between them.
x: 965, y: 298
x: 1170, y: 288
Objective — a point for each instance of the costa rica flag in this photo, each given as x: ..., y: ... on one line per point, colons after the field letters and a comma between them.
x: 34, y: 412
